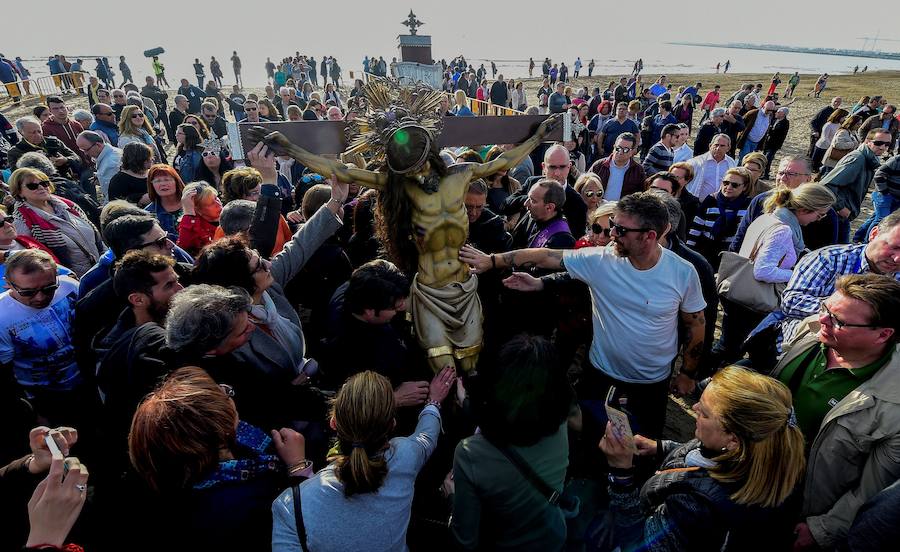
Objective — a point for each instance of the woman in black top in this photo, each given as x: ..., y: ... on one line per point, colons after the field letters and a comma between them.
x: 130, y: 183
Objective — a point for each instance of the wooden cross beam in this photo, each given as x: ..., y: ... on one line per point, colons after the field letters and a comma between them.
x: 327, y: 137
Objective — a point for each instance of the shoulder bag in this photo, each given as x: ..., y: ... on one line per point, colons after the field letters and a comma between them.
x: 736, y: 283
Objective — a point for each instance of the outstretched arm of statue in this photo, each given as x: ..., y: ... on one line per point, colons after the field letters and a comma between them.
x: 279, y: 143
x: 512, y: 157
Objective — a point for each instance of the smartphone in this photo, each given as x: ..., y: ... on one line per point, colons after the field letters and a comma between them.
x: 619, y: 420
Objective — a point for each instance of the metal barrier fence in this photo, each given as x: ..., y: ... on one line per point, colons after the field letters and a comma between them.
x: 478, y: 107
x: 49, y: 85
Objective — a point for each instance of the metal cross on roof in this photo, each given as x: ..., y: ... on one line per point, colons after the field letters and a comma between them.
x: 412, y: 23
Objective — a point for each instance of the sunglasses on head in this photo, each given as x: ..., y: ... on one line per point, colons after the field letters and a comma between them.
x: 48, y: 290
x: 34, y: 185
x: 597, y: 229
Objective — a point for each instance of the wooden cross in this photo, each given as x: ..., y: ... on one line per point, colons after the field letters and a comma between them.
x: 328, y: 137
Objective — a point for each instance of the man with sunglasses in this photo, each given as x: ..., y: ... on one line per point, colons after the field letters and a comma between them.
x: 843, y: 370
x: 886, y: 120
x: 851, y: 177
x: 615, y: 127
x: 556, y: 166
x: 214, y: 121
x: 36, y: 345
x: 640, y: 292
x: 621, y: 173
x: 105, y: 123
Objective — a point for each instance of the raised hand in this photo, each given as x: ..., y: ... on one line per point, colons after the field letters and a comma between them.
x: 475, y: 258
x: 441, y: 384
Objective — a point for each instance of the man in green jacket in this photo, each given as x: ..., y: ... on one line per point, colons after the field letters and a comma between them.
x: 843, y: 370
x: 850, y: 178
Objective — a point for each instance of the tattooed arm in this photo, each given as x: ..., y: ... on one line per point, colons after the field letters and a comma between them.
x: 519, y: 258
x: 695, y: 326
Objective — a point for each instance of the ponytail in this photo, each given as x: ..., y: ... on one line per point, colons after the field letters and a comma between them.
x: 363, y: 415
x: 781, y: 197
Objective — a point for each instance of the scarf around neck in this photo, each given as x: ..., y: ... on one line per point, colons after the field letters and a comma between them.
x: 790, y: 219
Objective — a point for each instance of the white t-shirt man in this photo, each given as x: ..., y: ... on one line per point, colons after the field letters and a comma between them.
x: 38, y: 342
x: 635, y: 313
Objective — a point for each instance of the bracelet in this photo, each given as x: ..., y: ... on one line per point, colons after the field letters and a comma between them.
x: 433, y: 403
x: 299, y: 466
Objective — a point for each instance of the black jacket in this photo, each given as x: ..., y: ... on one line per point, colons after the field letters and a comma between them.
x: 488, y: 233
x: 704, y: 137
x: 776, y: 135
x: 175, y: 118
x: 51, y: 147
x: 819, y: 119
x: 575, y: 208
x: 707, y: 288
x: 527, y: 228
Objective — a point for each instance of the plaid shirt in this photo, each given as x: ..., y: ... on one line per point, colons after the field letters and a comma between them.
x: 814, y: 280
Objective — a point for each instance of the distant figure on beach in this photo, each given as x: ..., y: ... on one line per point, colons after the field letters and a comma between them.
x: 718, y: 66
x: 727, y: 66
x: 200, y: 73
x: 773, y: 86
x: 160, y: 71
x: 493, y: 70
x: 591, y: 66
x: 577, y: 67
x: 791, y: 85
x: 216, y: 69
x: 638, y: 67
x: 125, y: 70
x: 856, y: 69
x: 530, y: 68
x: 820, y: 85
x: 866, y: 68
x: 236, y: 65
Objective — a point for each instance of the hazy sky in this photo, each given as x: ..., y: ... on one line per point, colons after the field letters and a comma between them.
x: 352, y: 28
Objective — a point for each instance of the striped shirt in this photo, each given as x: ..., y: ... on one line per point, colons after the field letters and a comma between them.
x: 658, y: 159
x: 814, y: 280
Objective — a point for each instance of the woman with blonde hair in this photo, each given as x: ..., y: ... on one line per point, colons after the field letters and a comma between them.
x: 590, y: 187
x: 57, y: 223
x: 461, y: 109
x: 134, y: 127
x: 755, y: 162
x: 774, y: 241
x: 363, y: 499
x: 741, y: 470
x: 598, y: 228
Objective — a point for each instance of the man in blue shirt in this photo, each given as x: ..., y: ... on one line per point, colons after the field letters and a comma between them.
x: 613, y: 128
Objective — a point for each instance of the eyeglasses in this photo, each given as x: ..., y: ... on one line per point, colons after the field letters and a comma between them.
x: 622, y: 230
x: 41, y: 183
x: 159, y: 242
x: 227, y: 389
x: 838, y: 323
x: 260, y: 265
x: 732, y: 184
x: 621, y: 149
x: 558, y: 167
x: 593, y: 193
x: 880, y: 143
x: 250, y: 109
x: 47, y: 290
x: 597, y: 229
x: 8, y: 219
x: 791, y: 174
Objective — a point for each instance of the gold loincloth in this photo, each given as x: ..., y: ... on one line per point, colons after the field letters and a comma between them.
x: 447, y: 321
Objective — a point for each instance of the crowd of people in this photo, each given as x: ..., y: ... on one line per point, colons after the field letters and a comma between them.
x: 226, y: 344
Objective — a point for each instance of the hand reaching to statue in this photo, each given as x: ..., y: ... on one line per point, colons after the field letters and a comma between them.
x: 262, y: 158
x: 522, y: 281
x: 480, y: 262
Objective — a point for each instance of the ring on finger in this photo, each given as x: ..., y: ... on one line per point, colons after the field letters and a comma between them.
x: 81, y: 487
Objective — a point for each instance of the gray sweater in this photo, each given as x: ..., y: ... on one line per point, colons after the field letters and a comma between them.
x: 371, y: 521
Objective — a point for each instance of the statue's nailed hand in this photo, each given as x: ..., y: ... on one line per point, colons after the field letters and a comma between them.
x: 549, y: 125
x: 276, y: 141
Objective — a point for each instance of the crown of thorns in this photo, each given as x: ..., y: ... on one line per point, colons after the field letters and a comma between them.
x: 393, y: 112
